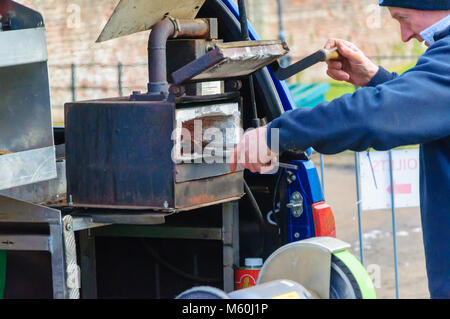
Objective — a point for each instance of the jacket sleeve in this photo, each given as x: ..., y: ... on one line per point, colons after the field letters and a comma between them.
x: 410, y: 109
x: 381, y: 77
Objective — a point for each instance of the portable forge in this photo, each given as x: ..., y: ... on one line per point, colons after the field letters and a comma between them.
x: 152, y: 208
x: 166, y: 149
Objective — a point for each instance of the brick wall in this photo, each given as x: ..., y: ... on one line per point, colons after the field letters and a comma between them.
x: 74, y: 25
x: 309, y: 23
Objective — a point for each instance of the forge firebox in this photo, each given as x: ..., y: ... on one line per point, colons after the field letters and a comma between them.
x: 166, y: 149
x: 122, y: 154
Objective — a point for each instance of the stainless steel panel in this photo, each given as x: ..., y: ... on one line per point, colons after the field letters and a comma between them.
x: 23, y: 47
x: 47, y: 192
x: 15, y: 211
x: 26, y: 133
x: 25, y: 112
x: 27, y: 167
x: 25, y: 242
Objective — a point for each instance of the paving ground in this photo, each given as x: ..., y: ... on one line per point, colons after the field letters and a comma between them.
x: 340, y: 192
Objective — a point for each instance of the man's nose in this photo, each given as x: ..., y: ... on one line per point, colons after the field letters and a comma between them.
x: 407, y: 34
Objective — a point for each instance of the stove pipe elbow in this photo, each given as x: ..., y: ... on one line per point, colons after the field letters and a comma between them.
x: 161, y: 32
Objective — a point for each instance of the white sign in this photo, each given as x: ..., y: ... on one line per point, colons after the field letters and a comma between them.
x: 211, y: 88
x: 375, y: 179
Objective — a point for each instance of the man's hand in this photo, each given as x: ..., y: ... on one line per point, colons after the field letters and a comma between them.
x: 252, y: 153
x: 353, y: 66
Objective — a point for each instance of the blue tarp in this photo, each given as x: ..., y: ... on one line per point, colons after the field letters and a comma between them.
x: 308, y: 95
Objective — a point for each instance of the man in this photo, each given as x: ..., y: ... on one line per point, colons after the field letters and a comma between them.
x: 390, y: 111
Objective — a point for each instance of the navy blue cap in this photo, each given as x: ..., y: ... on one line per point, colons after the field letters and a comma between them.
x: 429, y: 5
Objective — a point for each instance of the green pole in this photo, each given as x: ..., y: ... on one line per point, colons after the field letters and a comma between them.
x: 2, y: 272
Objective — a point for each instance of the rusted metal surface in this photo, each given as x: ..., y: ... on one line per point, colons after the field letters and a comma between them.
x: 119, y: 153
x: 231, y: 60
x: 189, y: 172
x: 162, y: 31
x: 203, y: 192
x: 195, y: 29
x: 119, y: 156
x: 131, y: 16
x: 183, y: 51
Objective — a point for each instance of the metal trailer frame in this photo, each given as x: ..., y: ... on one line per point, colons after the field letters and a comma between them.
x: 67, y: 276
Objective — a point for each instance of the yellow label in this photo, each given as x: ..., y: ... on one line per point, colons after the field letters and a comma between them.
x: 289, y: 295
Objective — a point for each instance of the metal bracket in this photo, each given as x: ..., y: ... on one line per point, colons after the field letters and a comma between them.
x: 296, y: 204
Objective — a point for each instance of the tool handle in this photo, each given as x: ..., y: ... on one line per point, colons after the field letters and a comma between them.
x: 332, y: 54
x: 322, y: 55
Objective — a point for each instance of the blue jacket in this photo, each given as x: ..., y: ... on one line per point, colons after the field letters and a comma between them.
x: 393, y: 111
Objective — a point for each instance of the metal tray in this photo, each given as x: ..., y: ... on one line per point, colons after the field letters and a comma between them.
x: 231, y: 60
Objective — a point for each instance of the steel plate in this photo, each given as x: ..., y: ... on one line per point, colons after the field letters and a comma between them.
x: 131, y: 16
x: 231, y: 60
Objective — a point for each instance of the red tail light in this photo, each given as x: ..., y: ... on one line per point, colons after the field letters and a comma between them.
x: 324, y: 220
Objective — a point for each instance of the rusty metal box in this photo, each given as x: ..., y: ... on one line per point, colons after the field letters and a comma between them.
x: 119, y: 155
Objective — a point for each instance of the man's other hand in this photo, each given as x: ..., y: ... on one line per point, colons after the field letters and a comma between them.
x: 353, y: 66
x: 252, y: 153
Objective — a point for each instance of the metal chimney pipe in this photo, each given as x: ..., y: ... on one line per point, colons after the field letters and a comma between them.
x: 161, y: 32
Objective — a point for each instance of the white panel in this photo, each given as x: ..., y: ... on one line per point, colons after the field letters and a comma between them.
x: 375, y: 179
x: 23, y: 47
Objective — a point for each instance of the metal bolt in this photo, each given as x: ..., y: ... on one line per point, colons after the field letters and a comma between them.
x: 235, y: 85
x: 177, y: 90
x: 291, y: 178
x: 297, y: 213
x: 296, y: 204
x: 69, y: 227
x: 297, y: 235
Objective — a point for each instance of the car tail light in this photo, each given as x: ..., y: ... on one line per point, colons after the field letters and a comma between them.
x: 324, y: 220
